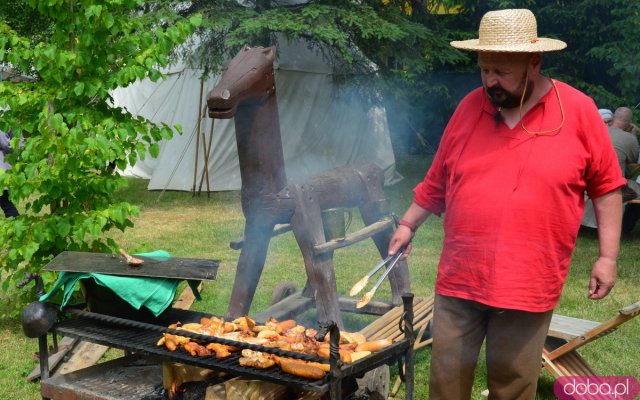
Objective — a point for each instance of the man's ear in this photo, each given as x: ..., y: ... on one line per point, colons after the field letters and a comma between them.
x: 536, y: 60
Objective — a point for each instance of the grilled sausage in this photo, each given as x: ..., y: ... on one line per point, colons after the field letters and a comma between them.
x: 375, y: 345
x: 303, y: 370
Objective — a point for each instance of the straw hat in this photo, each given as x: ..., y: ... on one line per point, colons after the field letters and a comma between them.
x: 509, y: 31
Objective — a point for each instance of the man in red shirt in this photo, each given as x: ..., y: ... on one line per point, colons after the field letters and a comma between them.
x: 509, y: 176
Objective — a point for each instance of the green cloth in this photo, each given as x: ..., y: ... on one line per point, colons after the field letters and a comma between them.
x: 156, y: 294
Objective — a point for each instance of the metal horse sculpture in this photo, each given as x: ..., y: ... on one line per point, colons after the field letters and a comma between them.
x: 246, y: 91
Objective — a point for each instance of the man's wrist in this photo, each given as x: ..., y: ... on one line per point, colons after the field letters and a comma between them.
x: 609, y: 260
x: 412, y: 227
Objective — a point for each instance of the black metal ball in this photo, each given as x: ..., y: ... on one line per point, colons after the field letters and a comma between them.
x: 38, y: 317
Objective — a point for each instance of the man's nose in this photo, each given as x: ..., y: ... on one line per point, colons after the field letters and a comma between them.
x: 491, y: 79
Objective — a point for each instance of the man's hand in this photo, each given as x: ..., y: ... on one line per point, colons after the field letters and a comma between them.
x: 401, y: 237
x: 603, y: 277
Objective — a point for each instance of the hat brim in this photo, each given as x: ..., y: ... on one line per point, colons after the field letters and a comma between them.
x: 539, y: 46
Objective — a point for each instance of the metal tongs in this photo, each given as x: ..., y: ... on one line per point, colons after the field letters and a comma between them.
x: 390, y: 262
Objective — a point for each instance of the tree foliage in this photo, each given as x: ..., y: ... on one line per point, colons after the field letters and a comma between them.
x: 352, y: 35
x: 63, y: 177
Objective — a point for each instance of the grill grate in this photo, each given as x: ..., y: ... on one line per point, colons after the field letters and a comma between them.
x: 141, y: 339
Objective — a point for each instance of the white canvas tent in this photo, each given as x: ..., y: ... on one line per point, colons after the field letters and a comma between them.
x: 322, y: 128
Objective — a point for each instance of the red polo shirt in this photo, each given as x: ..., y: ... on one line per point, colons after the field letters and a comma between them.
x: 512, y: 200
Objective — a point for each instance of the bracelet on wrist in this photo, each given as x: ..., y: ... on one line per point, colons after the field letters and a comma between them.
x: 408, y: 224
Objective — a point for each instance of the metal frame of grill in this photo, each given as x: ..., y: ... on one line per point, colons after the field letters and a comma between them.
x: 141, y: 338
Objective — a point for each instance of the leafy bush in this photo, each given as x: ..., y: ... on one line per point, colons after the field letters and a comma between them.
x: 63, y: 177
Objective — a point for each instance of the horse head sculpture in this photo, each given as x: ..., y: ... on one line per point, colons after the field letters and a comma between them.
x: 248, y: 77
x: 246, y: 93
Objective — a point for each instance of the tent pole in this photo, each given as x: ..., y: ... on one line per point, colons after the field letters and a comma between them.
x: 195, y: 168
x: 207, y: 153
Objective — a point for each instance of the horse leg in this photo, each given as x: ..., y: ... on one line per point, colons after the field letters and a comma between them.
x: 306, y: 224
x: 257, y: 235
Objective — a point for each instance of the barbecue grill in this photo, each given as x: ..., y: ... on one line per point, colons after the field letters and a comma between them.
x: 140, y: 338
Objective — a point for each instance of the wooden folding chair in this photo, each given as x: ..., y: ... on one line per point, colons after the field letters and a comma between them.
x: 567, y: 334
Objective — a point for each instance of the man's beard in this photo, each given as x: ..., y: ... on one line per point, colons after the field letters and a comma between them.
x: 504, y: 99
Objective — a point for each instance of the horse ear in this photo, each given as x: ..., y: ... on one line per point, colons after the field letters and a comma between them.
x: 270, y: 52
x: 245, y: 47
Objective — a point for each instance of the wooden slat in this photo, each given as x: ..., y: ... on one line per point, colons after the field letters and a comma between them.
x: 632, y: 309
x: 567, y: 328
x: 287, y: 308
x: 392, y: 331
x: 84, y: 355
x: 549, y: 365
x: 571, y: 364
x: 65, y: 345
x: 383, y: 327
x: 420, y: 319
x: 277, y: 230
x: 381, y: 322
x: 374, y: 307
x: 386, y: 327
x: 362, y: 234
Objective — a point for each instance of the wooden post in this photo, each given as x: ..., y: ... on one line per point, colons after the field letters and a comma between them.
x: 195, y: 168
x: 206, y: 150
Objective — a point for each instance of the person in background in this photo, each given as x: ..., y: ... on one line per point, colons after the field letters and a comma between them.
x: 509, y: 177
x: 627, y: 149
x: 606, y: 115
x: 624, y: 139
x: 624, y: 136
x: 7, y: 206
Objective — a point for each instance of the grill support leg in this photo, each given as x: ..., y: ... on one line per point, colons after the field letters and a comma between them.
x: 407, y: 319
x: 44, y: 356
x: 43, y: 353
x: 335, y: 385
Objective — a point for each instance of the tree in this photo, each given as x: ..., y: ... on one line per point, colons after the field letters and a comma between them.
x: 351, y: 34
x: 63, y: 176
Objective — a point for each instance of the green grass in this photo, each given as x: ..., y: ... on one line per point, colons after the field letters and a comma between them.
x: 202, y: 226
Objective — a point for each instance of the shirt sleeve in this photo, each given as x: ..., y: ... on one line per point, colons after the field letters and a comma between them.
x: 429, y: 194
